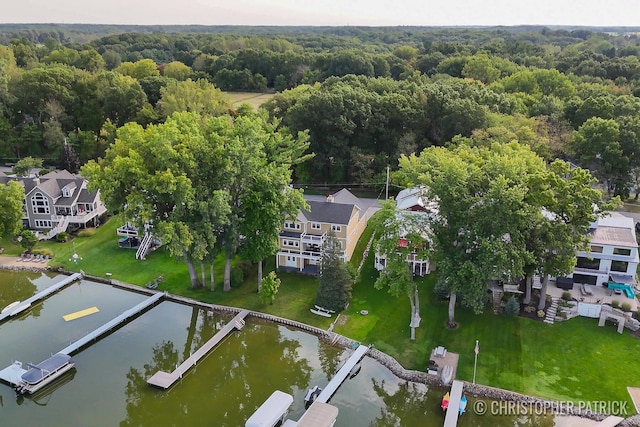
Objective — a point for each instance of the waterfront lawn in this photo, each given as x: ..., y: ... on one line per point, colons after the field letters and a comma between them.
x: 573, y: 360
x: 101, y: 255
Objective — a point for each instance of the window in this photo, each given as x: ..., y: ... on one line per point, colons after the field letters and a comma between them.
x: 619, y: 266
x: 622, y: 251
x: 40, y: 204
x: 42, y: 223
x: 315, y: 226
x: 596, y: 249
x: 292, y: 225
x: 588, y: 263
x: 336, y: 228
x: 291, y: 243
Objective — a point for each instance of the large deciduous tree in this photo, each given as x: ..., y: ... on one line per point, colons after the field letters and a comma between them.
x: 483, y: 208
x: 402, y: 233
x: 11, y: 196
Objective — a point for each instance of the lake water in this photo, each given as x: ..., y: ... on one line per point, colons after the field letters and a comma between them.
x: 108, y: 385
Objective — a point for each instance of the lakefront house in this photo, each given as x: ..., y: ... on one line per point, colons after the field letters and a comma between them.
x: 57, y: 202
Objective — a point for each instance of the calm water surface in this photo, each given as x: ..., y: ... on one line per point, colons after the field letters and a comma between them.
x: 108, y: 386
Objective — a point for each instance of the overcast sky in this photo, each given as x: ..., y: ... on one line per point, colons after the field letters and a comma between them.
x: 325, y: 12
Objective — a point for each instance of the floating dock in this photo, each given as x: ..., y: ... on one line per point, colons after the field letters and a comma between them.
x: 318, y: 415
x: 451, y: 419
x: 14, y: 372
x: 79, y: 314
x: 22, y: 306
x: 342, y: 374
x: 165, y: 379
x: 97, y: 333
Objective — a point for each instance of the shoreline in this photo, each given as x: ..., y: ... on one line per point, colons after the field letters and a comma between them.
x: 8, y: 262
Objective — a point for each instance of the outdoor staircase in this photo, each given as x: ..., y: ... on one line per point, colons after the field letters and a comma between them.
x: 59, y: 228
x: 497, y: 301
x: 551, y: 312
x: 239, y: 324
x: 142, y: 251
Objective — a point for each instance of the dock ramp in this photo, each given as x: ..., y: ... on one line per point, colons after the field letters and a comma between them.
x: 451, y: 419
x: 342, y: 374
x: 167, y: 379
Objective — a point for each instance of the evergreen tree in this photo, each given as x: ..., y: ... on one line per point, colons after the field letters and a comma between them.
x: 68, y: 158
x: 334, y: 282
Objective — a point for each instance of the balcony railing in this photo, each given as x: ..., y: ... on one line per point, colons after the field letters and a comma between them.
x: 313, y: 238
x: 80, y: 218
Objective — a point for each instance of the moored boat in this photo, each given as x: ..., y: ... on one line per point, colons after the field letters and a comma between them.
x: 445, y: 402
x: 44, y: 373
x: 463, y: 404
x: 311, y: 395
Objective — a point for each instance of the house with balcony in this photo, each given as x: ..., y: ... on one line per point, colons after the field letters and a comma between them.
x: 301, y: 238
x: 413, y: 210
x: 612, y: 256
x: 57, y: 202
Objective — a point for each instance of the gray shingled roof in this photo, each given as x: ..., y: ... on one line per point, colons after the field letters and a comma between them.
x: 334, y: 213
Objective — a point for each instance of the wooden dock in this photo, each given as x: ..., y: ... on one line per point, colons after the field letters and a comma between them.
x: 97, y: 333
x: 24, y: 305
x: 342, y: 374
x: 451, y: 419
x: 165, y: 379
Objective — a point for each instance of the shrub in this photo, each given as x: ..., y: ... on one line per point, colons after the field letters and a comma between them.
x: 237, y: 277
x: 87, y: 232
x: 615, y: 303
x: 43, y: 251
x: 529, y: 309
x: 541, y: 313
x: 626, y: 307
x: 441, y: 290
x: 512, y: 308
x: 566, y: 296
x: 62, y: 237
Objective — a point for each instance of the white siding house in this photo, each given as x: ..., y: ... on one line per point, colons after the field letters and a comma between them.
x: 613, y: 253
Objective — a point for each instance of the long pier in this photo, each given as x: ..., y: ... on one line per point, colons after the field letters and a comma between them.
x: 22, y: 306
x: 342, y: 374
x: 451, y: 419
x: 97, y: 333
x: 165, y: 379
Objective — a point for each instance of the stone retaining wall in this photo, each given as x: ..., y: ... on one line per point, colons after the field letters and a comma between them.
x: 384, y: 359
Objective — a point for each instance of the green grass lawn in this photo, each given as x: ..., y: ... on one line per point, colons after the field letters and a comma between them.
x: 100, y: 255
x: 572, y: 360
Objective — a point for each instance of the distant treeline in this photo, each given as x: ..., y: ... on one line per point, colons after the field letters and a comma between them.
x: 365, y: 95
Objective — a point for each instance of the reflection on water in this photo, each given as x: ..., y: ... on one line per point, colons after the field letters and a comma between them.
x: 108, y: 386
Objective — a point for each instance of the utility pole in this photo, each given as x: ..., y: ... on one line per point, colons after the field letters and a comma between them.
x: 387, y: 186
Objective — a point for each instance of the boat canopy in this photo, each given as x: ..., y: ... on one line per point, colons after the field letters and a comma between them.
x: 45, y: 368
x: 271, y: 411
x: 319, y: 415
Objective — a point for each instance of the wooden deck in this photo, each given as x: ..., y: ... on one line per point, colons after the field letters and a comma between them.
x: 165, y: 379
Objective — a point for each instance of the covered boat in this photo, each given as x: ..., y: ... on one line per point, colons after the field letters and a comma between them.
x: 44, y: 373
